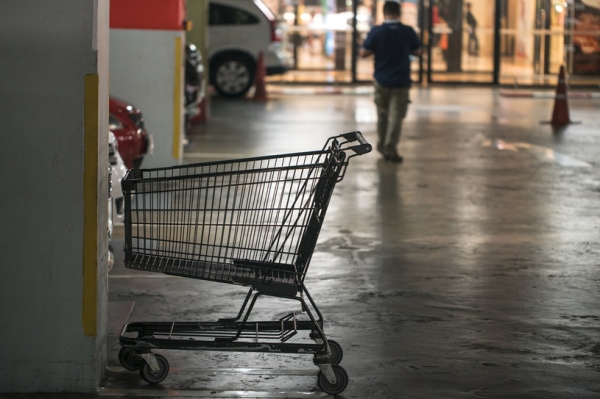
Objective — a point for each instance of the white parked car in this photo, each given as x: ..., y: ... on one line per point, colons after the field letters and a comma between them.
x: 238, y: 31
x: 116, y: 203
x: 117, y: 173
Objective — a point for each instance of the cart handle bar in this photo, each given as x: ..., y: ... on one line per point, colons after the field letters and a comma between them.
x: 363, y: 148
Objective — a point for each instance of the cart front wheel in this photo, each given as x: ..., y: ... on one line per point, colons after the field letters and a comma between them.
x: 129, y: 359
x: 337, y: 354
x: 340, y: 384
x: 152, y: 377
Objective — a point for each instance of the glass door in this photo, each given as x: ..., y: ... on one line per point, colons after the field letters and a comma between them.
x: 461, y: 41
x: 532, y: 34
x: 323, y: 37
x: 369, y: 13
x: 318, y: 35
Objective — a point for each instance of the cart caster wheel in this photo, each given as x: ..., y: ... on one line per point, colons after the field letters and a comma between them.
x: 150, y: 376
x: 129, y: 359
x: 339, y: 386
x: 337, y: 354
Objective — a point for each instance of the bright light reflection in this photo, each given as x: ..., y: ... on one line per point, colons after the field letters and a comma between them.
x: 365, y: 113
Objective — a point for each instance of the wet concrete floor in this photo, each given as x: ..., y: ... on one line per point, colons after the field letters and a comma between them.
x: 470, y: 271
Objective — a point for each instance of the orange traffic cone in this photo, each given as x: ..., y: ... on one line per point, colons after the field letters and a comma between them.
x: 260, y: 93
x: 560, y: 113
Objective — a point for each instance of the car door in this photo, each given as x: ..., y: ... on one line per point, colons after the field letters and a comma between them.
x: 236, y: 27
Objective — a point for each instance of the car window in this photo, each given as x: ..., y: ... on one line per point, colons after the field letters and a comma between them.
x: 114, y: 123
x: 220, y: 14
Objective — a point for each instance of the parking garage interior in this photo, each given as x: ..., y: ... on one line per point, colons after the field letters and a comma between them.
x: 471, y: 270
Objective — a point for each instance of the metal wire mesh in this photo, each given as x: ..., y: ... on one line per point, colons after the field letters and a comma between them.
x: 238, y: 221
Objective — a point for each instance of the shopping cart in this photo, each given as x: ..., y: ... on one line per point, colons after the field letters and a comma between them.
x: 252, y: 222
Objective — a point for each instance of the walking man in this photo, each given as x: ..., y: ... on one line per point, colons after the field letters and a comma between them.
x: 473, y: 45
x: 391, y: 43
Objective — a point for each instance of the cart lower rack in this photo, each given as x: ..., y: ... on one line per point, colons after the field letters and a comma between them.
x: 252, y: 222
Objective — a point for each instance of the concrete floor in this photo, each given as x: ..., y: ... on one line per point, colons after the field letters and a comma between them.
x: 470, y: 271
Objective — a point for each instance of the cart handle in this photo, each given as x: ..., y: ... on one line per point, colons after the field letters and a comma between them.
x: 363, y: 148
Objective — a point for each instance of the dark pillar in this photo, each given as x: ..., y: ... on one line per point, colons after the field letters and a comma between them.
x: 340, y: 41
x: 453, y: 14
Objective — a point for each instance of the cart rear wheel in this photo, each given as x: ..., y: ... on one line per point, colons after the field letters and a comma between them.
x: 129, y: 359
x: 337, y: 354
x: 340, y: 384
x: 150, y: 376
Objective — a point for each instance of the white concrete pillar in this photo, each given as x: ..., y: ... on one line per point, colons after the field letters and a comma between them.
x: 147, y: 42
x: 53, y: 207
x: 146, y: 70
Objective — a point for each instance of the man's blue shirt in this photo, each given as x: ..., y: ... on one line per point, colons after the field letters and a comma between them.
x: 392, y: 43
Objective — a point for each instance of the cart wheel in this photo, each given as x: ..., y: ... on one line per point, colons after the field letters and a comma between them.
x: 150, y: 376
x: 129, y: 359
x: 337, y: 354
x: 339, y: 386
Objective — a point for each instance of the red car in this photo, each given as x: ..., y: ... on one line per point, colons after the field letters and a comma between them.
x: 127, y: 124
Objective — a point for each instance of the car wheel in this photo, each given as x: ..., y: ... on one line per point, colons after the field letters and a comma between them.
x: 232, y: 75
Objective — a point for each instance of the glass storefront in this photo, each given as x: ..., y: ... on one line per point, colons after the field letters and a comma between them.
x: 461, y: 41
x: 506, y: 42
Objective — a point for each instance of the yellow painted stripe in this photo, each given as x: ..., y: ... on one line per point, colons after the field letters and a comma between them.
x: 177, y: 87
x: 90, y: 204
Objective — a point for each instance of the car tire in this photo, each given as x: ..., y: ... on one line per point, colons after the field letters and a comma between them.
x: 232, y: 74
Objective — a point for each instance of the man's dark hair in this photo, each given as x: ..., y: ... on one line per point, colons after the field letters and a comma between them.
x: 391, y: 8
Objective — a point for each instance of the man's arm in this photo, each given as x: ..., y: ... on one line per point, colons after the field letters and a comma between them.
x: 367, y: 45
x: 416, y: 45
x: 364, y: 53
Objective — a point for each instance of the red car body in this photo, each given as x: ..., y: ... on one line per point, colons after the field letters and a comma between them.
x: 127, y: 124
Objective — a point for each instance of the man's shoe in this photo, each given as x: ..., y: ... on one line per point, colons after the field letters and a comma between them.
x: 397, y: 158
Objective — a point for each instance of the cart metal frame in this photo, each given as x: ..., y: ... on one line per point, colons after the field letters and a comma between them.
x: 252, y: 222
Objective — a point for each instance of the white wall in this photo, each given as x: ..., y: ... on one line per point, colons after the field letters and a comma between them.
x: 47, y: 49
x: 142, y: 72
